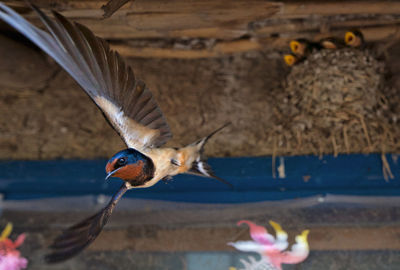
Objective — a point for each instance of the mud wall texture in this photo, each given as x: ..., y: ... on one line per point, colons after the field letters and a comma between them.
x: 45, y: 115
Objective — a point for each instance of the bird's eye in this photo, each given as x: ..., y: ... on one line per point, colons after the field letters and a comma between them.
x: 121, y: 161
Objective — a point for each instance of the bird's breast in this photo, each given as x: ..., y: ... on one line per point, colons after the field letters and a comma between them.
x: 161, y: 158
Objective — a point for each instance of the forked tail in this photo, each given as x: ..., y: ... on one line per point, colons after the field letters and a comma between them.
x: 200, y: 166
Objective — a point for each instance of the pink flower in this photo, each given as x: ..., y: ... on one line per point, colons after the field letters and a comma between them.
x: 12, y: 262
x: 272, y: 248
x: 10, y: 257
x: 258, y: 233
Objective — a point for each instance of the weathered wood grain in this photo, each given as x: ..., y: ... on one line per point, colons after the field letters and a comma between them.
x: 236, y: 26
x: 198, y: 239
x: 220, y: 49
x: 176, y: 18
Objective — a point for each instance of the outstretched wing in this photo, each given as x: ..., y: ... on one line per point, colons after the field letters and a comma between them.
x: 102, y: 73
x: 76, y: 238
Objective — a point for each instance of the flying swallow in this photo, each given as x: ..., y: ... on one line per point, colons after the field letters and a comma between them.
x: 128, y: 106
x: 354, y: 38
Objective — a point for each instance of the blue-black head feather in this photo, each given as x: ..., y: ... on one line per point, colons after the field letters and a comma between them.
x: 131, y: 161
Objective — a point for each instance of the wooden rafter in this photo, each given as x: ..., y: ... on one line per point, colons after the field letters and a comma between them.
x: 236, y: 26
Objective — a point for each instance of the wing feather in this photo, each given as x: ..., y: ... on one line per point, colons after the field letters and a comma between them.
x: 76, y: 238
x: 102, y: 73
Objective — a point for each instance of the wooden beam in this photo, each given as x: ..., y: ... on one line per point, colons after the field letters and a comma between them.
x: 222, y: 19
x: 265, y: 24
x: 302, y: 9
x: 215, y: 239
x: 220, y: 49
x: 251, y: 178
x: 176, y: 18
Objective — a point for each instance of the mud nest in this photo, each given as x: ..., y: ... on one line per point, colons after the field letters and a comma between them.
x: 333, y: 102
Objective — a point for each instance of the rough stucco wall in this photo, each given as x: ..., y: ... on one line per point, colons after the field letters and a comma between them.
x: 45, y: 115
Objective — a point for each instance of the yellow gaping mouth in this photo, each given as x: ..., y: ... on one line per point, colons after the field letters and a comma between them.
x: 295, y: 46
x: 290, y: 60
x: 349, y: 38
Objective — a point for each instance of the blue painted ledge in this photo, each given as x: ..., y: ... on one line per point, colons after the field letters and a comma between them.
x: 251, y: 177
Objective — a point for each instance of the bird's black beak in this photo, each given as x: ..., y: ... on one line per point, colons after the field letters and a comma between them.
x: 110, y: 174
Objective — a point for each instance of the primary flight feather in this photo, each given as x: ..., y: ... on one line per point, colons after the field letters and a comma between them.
x: 128, y: 106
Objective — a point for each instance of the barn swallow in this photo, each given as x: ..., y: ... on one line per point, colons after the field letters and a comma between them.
x: 128, y: 106
x: 354, y: 38
x: 303, y: 47
x: 331, y: 43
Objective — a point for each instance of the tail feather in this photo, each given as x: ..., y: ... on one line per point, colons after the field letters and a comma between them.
x: 200, y: 166
x: 203, y: 141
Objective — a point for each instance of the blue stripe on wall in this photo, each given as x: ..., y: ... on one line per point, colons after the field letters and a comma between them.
x: 251, y: 177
